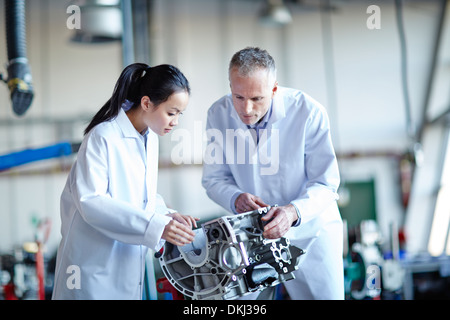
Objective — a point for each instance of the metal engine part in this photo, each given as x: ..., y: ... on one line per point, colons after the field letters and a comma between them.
x: 229, y: 258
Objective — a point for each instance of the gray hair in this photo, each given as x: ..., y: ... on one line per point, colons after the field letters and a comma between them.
x: 251, y: 59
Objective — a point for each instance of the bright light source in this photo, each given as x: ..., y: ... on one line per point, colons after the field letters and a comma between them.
x: 101, y: 21
x: 275, y: 13
x: 441, y: 218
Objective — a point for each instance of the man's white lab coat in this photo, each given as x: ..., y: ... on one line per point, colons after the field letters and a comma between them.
x: 110, y: 214
x: 294, y: 162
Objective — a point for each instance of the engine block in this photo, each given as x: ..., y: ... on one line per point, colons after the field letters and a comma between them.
x: 229, y: 258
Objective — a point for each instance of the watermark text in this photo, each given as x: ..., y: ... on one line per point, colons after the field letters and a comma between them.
x: 374, y: 20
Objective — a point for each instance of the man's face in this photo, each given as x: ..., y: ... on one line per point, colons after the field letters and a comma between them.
x: 252, y: 95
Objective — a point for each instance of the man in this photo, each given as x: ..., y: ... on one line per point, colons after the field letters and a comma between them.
x: 271, y: 145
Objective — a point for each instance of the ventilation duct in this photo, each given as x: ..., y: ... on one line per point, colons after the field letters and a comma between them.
x: 19, y: 76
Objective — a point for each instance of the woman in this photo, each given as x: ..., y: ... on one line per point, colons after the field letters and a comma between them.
x: 110, y: 210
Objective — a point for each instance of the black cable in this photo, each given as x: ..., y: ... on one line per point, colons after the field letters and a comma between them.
x: 15, y: 29
x: 19, y: 75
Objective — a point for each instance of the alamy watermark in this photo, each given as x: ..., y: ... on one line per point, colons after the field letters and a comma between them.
x: 234, y: 146
x: 373, y: 277
x: 74, y: 20
x: 374, y: 20
x: 74, y: 279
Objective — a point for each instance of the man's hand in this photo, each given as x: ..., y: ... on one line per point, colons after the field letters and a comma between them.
x: 282, y: 219
x: 248, y: 202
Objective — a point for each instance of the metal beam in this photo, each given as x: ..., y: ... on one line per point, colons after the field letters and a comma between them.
x: 437, y: 44
x: 127, y: 33
x: 135, y: 37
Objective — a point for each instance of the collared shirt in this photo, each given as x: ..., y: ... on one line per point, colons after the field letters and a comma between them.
x: 127, y: 105
x: 262, y: 123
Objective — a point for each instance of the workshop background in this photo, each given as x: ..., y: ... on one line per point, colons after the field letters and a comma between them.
x: 380, y: 68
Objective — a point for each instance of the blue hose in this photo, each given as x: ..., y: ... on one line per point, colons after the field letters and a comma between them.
x: 15, y: 159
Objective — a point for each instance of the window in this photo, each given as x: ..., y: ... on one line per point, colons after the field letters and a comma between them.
x: 439, y: 235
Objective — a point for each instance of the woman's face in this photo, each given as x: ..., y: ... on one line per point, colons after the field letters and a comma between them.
x: 164, y: 118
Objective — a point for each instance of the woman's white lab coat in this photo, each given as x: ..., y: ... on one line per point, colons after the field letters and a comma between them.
x: 110, y: 214
x: 294, y: 163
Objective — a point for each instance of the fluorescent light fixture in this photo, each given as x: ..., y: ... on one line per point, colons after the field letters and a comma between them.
x: 275, y: 13
x: 101, y: 21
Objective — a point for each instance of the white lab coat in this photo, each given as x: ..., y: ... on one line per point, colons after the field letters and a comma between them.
x: 304, y: 173
x: 110, y: 214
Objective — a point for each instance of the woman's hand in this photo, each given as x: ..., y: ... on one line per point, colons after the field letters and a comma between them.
x: 179, y: 230
x: 186, y: 220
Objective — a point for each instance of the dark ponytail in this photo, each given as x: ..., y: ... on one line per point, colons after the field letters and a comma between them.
x: 139, y: 80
